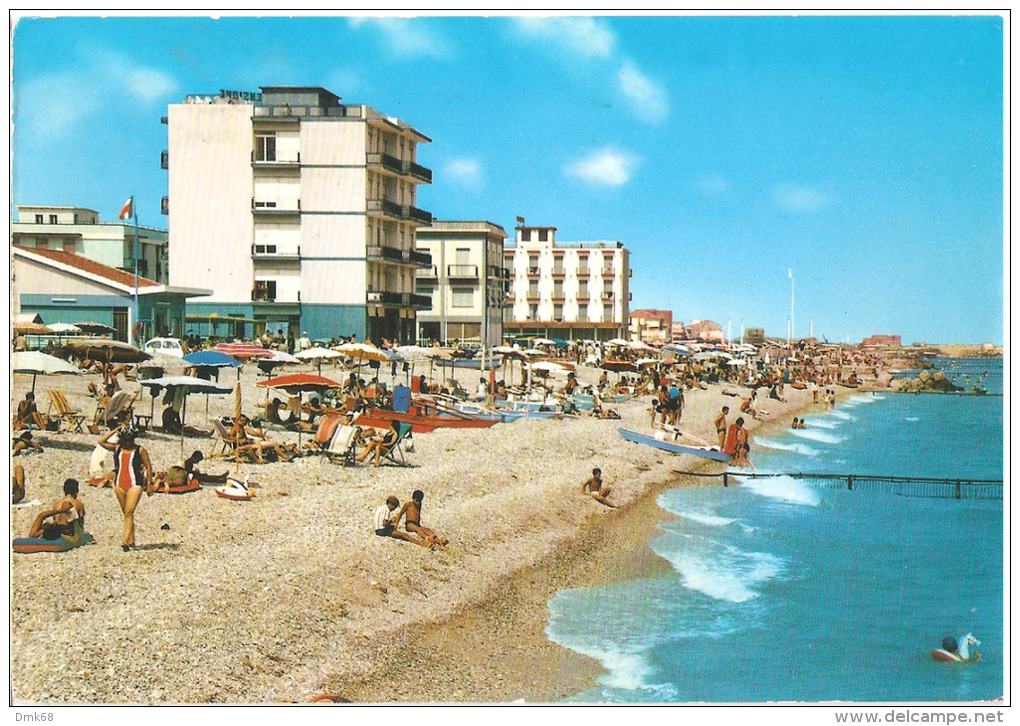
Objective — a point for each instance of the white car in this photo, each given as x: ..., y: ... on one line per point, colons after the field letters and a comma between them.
x: 166, y: 346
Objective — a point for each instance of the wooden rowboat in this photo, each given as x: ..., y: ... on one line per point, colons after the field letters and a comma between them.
x: 422, y: 422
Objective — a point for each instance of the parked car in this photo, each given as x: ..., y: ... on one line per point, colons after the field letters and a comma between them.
x: 166, y: 346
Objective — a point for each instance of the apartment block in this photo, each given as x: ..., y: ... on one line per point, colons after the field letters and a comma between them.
x: 566, y: 290
x: 465, y: 281
x: 79, y: 231
x: 651, y: 326
x: 297, y: 210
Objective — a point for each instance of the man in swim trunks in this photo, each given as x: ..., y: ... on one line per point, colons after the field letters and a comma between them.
x: 24, y: 445
x: 594, y: 487
x: 28, y: 413
x: 385, y: 527
x: 720, y: 425
x: 412, y: 522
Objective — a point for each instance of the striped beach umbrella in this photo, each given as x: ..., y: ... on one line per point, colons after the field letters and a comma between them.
x: 243, y: 351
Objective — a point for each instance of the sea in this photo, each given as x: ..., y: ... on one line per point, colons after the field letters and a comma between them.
x: 786, y: 589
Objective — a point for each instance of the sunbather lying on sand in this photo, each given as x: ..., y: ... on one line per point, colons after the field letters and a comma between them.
x: 25, y: 445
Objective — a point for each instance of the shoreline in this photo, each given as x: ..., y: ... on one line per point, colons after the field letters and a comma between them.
x: 536, y: 669
x: 291, y: 595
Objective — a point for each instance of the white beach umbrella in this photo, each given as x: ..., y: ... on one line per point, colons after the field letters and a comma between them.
x: 317, y: 354
x: 40, y: 364
x: 736, y: 362
x: 618, y: 341
x: 543, y: 341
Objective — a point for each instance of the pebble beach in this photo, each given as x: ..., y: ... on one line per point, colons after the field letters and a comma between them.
x: 291, y: 595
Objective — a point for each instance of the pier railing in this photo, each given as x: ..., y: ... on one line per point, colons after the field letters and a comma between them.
x: 904, y: 486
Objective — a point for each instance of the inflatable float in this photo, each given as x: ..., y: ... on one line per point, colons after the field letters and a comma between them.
x: 949, y: 653
x: 31, y: 545
x: 234, y: 490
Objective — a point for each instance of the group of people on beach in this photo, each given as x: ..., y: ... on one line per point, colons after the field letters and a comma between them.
x: 733, y: 438
x: 387, y: 524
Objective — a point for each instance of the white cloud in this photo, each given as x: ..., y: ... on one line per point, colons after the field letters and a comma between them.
x: 405, y: 37
x: 465, y: 171
x: 648, y: 98
x: 607, y: 167
x: 584, y: 36
x: 712, y: 185
x: 798, y: 198
x: 149, y: 84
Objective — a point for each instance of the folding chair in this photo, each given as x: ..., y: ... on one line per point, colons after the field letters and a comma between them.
x: 395, y: 452
x: 64, y: 411
x: 343, y: 445
x: 324, y: 435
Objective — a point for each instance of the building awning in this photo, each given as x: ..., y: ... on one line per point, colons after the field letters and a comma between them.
x: 217, y: 318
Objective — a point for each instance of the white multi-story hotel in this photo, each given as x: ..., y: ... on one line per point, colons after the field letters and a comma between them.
x: 465, y: 281
x: 566, y: 290
x: 79, y: 231
x: 296, y: 210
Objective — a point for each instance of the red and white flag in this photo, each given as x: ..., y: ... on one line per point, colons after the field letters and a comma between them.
x: 128, y: 209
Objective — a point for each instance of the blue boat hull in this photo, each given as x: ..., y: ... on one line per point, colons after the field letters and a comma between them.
x: 673, y: 447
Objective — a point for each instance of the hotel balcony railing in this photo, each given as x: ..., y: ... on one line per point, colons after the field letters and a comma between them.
x: 534, y: 272
x: 427, y: 272
x: 384, y: 206
x: 416, y: 215
x: 419, y: 257
x: 164, y: 159
x: 582, y: 272
x: 164, y: 205
x: 277, y: 163
x: 403, y: 299
x: 608, y: 272
x: 395, y: 254
x: 275, y: 206
x: 285, y: 253
x: 418, y: 171
x: 390, y: 163
x: 299, y: 112
x: 559, y: 273
x: 462, y: 271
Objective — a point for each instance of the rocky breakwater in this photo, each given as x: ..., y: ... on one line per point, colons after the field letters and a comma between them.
x: 927, y: 382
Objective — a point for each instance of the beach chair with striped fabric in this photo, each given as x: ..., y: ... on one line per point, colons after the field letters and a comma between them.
x: 344, y: 444
x: 324, y: 434
x: 64, y: 412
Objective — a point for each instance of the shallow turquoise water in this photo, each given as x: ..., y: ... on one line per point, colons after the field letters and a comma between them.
x: 784, y: 590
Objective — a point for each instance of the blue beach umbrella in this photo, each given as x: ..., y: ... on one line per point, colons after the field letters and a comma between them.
x: 211, y: 359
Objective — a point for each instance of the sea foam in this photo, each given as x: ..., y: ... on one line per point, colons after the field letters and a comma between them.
x: 724, y: 572
x: 766, y: 443
x: 785, y: 488
x: 816, y: 436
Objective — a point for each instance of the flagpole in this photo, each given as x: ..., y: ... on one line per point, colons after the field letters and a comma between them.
x: 134, y: 214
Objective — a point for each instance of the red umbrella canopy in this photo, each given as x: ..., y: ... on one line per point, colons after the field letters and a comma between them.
x: 299, y: 383
x: 243, y: 350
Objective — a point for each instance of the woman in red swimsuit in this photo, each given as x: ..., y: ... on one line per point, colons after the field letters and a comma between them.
x: 132, y: 474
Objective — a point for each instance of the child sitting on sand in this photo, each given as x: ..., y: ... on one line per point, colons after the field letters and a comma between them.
x: 598, y: 491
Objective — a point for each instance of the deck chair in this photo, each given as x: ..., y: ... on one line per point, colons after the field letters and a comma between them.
x: 324, y: 435
x: 64, y: 412
x: 395, y: 453
x: 224, y: 444
x: 343, y: 445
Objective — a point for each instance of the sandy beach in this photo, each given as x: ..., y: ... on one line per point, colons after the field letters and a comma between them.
x: 291, y: 595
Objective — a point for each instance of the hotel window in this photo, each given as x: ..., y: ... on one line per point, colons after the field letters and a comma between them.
x: 607, y: 288
x: 69, y: 245
x: 532, y: 263
x: 582, y: 264
x: 264, y: 291
x: 265, y: 147
x: 543, y: 235
x: 582, y: 288
x: 533, y: 312
x: 462, y: 297
x: 533, y: 288
x: 38, y: 219
x: 53, y: 219
x: 607, y: 312
x: 558, y: 288
x: 582, y: 313
x: 558, y: 313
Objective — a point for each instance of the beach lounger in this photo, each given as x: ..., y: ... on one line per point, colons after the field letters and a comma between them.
x: 224, y: 445
x: 64, y: 412
x: 343, y: 445
x: 324, y: 435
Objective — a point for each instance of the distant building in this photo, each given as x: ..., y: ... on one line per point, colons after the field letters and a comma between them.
x: 63, y: 287
x: 705, y: 330
x: 882, y: 340
x: 679, y: 330
x: 651, y: 326
x: 79, y: 231
x: 297, y: 210
x: 464, y: 282
x: 566, y: 290
x: 754, y: 336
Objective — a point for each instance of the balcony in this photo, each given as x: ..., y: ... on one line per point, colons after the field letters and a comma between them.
x: 582, y: 272
x: 417, y: 171
x: 427, y: 273
x: 608, y: 272
x: 534, y: 272
x: 164, y: 205
x: 462, y: 272
x: 385, y: 207
x: 419, y: 257
x: 260, y: 162
x: 401, y: 299
x: 277, y: 207
x: 559, y: 272
x: 416, y: 215
x: 164, y: 159
x: 275, y: 252
x: 384, y: 161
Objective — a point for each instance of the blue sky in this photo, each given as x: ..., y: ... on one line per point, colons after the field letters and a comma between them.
x: 865, y: 153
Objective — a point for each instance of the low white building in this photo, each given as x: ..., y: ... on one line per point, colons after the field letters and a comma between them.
x: 79, y: 231
x: 566, y: 290
x: 465, y: 281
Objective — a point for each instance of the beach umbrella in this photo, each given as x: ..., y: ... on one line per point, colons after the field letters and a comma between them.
x: 640, y: 345
x: 297, y: 383
x: 677, y: 348
x: 106, y: 350
x: 243, y: 351
x: 618, y: 341
x: 280, y: 357
x: 31, y: 328
x: 736, y: 362
x: 189, y: 385
x: 318, y: 354
x: 93, y: 328
x: 646, y: 362
x: 211, y: 359
x: 543, y: 341
x: 40, y: 364
x: 362, y: 352
x: 619, y: 366
x: 547, y: 366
